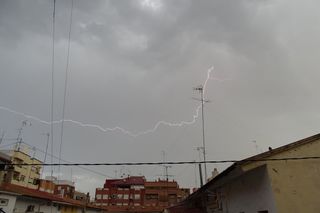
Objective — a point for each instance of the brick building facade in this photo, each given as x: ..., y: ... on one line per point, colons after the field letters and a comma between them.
x: 136, y: 192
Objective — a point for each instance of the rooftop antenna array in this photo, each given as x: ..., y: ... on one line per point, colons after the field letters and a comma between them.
x: 165, y: 174
x: 20, y: 130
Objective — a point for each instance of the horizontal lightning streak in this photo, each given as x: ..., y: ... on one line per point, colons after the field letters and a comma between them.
x: 117, y: 128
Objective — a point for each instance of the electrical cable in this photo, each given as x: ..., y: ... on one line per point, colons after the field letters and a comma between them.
x: 170, y: 162
x: 52, y: 77
x: 65, y: 87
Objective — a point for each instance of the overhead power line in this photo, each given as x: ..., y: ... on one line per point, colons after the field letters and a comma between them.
x: 168, y: 163
x: 65, y: 85
x: 52, y: 77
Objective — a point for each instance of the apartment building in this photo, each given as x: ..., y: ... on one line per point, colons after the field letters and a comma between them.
x: 22, y: 175
x: 134, y: 192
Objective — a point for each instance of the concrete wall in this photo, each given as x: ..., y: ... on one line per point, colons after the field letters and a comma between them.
x: 11, y: 202
x: 296, y: 184
x: 42, y: 206
x: 29, y: 172
x: 19, y: 204
x: 22, y: 204
x: 249, y: 193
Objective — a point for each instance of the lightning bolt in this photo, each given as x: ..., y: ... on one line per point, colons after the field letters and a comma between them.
x: 117, y: 128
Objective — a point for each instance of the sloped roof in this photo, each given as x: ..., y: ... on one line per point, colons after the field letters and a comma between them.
x: 281, y: 149
x: 254, y: 158
x: 4, y: 157
x: 24, y: 191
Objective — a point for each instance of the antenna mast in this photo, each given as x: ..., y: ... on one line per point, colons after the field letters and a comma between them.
x: 202, y: 100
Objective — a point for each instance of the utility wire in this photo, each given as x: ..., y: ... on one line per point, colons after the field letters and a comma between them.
x: 65, y: 87
x: 52, y: 77
x: 52, y: 84
x: 169, y: 163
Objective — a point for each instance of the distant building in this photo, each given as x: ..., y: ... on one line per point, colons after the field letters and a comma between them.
x: 46, y: 186
x: 262, y: 184
x: 4, y: 168
x: 64, y: 188
x: 27, y: 176
x: 85, y: 197
x: 121, y: 192
x: 163, y: 193
x: 136, y: 193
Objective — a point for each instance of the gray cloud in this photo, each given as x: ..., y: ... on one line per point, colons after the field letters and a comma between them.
x: 133, y: 65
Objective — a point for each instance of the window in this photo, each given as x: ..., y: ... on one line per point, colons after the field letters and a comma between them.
x: 98, y: 196
x: 105, y: 196
x: 137, y: 196
x: 137, y: 187
x: 151, y: 196
x: 22, y: 178
x: 125, y: 196
x: 36, y: 181
x: 31, y: 180
x: 16, y: 176
x: 30, y: 208
x: 4, y: 202
x: 18, y: 161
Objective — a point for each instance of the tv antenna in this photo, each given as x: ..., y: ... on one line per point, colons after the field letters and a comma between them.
x: 20, y: 130
x: 200, y: 89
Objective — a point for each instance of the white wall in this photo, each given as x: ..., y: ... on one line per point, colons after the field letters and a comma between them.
x: 19, y: 204
x: 12, y: 202
x: 22, y: 204
x: 249, y: 193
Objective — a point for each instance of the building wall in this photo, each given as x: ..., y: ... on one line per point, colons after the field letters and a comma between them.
x: 46, y: 186
x: 70, y: 209
x: 23, y: 203
x: 27, y: 174
x: 151, y: 194
x: 296, y: 184
x: 249, y: 193
x: 44, y: 206
x: 64, y: 190
x: 10, y: 202
x: 119, y: 197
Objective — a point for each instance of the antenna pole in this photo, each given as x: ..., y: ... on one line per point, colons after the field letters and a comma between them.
x: 200, y: 173
x: 201, y: 91
x: 203, y: 137
x: 46, y: 152
x: 2, y: 137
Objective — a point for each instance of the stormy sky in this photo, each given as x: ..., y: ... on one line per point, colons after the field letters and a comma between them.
x: 134, y: 63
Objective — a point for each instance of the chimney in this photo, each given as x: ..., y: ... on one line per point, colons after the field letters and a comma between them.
x: 214, y: 172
